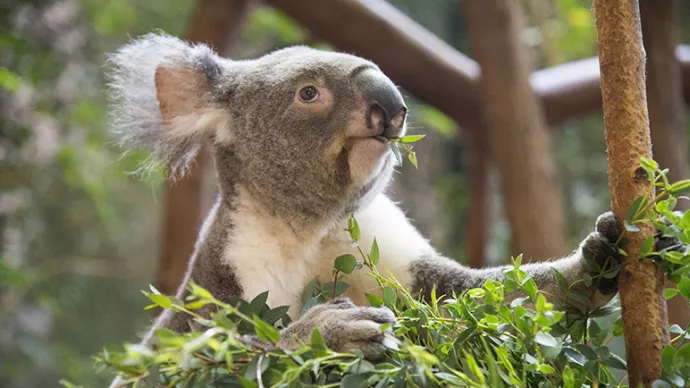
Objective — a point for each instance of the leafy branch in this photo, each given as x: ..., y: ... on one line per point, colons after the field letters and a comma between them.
x: 480, y: 337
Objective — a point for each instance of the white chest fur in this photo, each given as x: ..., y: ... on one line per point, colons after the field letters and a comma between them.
x: 267, y: 255
x: 399, y: 245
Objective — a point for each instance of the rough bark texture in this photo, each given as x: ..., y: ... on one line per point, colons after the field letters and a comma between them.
x: 519, y: 140
x: 622, y: 63
x: 666, y: 106
x: 215, y: 23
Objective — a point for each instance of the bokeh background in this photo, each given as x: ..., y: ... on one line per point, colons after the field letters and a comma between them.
x: 81, y: 233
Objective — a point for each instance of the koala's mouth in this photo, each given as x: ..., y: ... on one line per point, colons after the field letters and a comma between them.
x: 379, y: 138
x: 384, y: 139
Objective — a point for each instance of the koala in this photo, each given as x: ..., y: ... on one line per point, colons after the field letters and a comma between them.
x: 295, y: 138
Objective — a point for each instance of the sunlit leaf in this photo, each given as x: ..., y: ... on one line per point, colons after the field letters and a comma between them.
x: 265, y: 331
x: 374, y: 254
x: 545, y: 339
x: 630, y: 227
x: 353, y: 228
x: 345, y: 263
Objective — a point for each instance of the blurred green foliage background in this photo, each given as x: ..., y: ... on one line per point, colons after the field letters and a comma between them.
x: 79, y: 232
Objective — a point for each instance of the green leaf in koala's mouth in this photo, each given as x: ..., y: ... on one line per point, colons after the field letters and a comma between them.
x: 410, y: 138
x: 405, y: 139
x: 399, y: 144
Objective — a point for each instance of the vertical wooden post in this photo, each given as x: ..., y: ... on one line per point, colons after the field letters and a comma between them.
x: 622, y: 64
x: 518, y: 137
x: 480, y: 200
x: 215, y: 23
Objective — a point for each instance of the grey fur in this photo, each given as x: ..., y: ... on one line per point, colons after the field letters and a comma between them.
x: 134, y: 115
x: 206, y: 267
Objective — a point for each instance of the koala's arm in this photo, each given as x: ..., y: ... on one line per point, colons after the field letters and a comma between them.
x: 412, y: 260
x: 449, y: 276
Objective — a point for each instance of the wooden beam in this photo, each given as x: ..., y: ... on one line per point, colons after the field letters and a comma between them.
x: 573, y: 89
x: 569, y: 90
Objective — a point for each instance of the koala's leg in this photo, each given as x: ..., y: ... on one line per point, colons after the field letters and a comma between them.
x: 344, y: 327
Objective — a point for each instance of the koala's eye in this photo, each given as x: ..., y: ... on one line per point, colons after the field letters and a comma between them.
x: 308, y: 94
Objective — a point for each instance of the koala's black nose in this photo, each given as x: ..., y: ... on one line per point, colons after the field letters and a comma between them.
x: 381, y: 94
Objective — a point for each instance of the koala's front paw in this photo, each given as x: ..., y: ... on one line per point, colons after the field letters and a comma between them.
x: 600, y: 252
x: 344, y: 327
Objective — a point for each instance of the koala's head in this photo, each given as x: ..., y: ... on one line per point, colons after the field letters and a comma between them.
x: 297, y: 129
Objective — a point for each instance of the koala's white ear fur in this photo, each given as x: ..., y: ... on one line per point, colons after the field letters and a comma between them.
x: 159, y: 91
x: 180, y: 91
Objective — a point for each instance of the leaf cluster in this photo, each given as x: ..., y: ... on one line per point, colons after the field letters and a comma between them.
x: 482, y: 337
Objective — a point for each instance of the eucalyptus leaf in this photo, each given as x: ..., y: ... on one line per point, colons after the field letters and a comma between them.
x: 374, y: 253
x: 545, y: 339
x: 345, y: 263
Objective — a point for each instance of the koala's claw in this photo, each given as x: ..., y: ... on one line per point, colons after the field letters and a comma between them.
x: 600, y: 251
x: 344, y: 327
x: 601, y: 256
x: 607, y: 226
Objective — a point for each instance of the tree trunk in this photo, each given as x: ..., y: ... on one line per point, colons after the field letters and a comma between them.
x: 519, y: 141
x: 622, y: 64
x: 666, y: 107
x: 215, y: 23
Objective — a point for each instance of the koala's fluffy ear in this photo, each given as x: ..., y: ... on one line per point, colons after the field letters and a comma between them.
x: 160, y: 90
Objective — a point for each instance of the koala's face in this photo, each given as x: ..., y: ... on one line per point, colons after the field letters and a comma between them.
x: 304, y: 120
x: 296, y: 128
